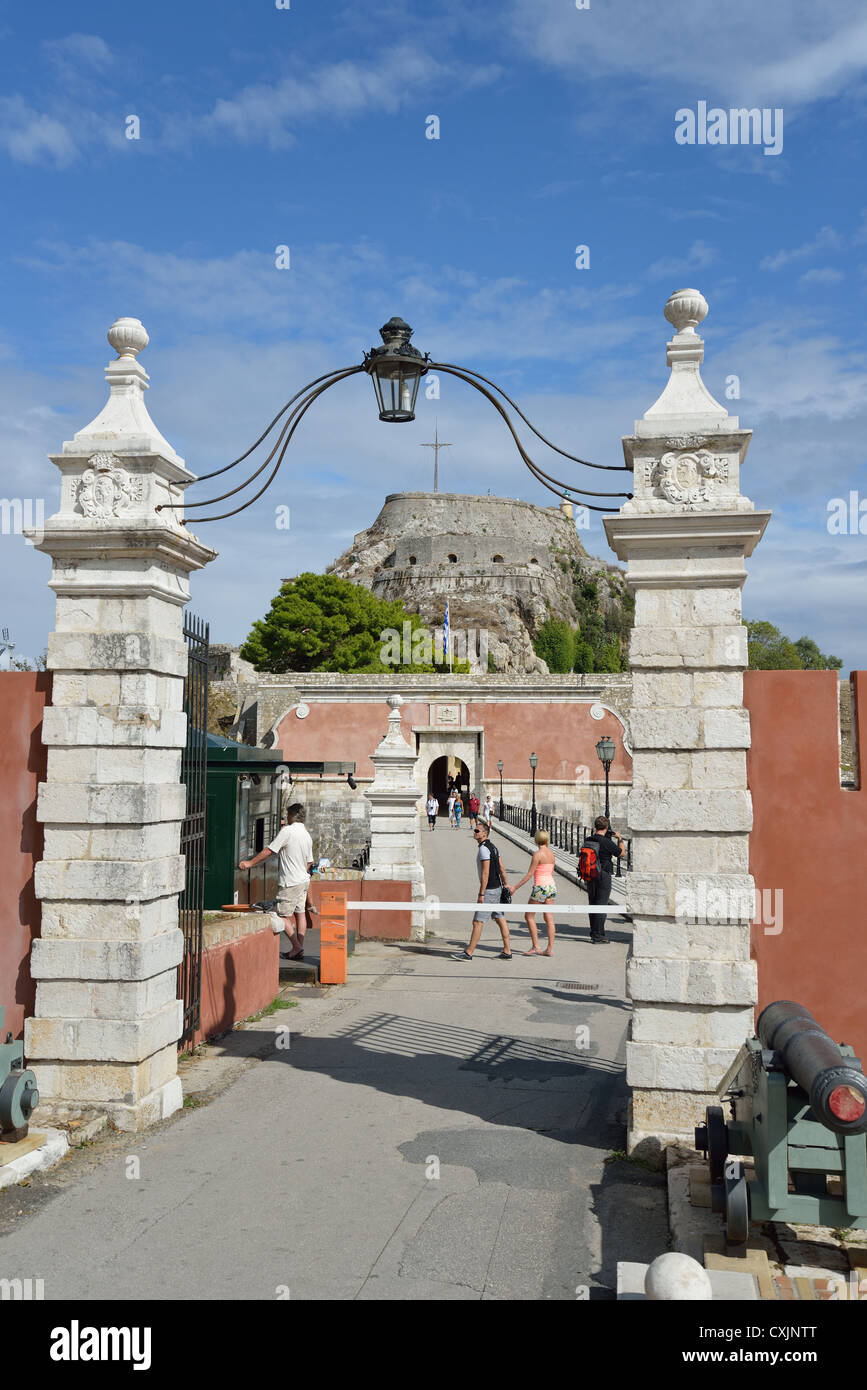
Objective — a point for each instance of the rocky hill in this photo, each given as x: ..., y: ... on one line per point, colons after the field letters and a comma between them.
x: 503, y: 565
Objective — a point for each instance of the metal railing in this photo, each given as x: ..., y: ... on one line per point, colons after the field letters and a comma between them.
x: 194, y: 775
x: 565, y: 835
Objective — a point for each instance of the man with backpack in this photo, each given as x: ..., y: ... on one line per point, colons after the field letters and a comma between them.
x: 595, y: 864
x: 493, y: 889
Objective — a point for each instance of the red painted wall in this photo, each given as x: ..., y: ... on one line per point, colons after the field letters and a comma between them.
x: 381, y: 926
x: 239, y: 978
x: 802, y: 814
x: 23, y: 697
x: 563, y: 735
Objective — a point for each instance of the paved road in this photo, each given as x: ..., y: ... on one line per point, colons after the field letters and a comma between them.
x: 431, y: 1132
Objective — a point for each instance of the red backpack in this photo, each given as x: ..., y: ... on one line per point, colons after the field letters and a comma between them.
x: 588, y: 863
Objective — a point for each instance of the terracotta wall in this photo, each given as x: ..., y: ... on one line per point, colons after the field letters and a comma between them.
x: 810, y: 842
x: 381, y: 926
x: 240, y: 976
x: 562, y: 734
x: 23, y: 697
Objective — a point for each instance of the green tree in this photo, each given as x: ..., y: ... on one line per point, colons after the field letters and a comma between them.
x: 555, y: 643
x: 814, y: 660
x: 319, y: 622
x: 584, y: 661
x: 771, y: 650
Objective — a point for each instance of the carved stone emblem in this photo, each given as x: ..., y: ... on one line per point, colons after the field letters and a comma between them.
x: 688, y: 478
x: 106, y: 489
x: 448, y: 714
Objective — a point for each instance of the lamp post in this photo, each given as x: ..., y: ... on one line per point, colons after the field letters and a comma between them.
x: 605, y: 754
x: 502, y: 807
x: 533, y: 761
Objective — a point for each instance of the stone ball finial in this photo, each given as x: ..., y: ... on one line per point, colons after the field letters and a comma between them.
x: 394, y: 703
x: 676, y: 1278
x: 685, y: 309
x: 128, y: 337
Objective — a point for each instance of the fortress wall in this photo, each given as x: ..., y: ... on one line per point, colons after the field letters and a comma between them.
x: 451, y: 513
x: 449, y: 580
x: 469, y: 550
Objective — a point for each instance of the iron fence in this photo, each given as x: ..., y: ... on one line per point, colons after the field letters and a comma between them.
x: 564, y: 834
x: 194, y: 769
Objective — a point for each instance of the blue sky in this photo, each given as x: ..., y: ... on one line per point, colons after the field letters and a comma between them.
x: 306, y: 127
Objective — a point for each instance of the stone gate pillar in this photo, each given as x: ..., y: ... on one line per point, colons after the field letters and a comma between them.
x: 104, y: 1035
x: 684, y: 535
x: 395, y: 828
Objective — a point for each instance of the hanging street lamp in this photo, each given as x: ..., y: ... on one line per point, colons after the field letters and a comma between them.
x: 605, y: 753
x: 396, y: 369
x: 533, y: 762
x: 502, y: 807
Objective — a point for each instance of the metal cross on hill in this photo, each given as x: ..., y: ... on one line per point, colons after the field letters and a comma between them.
x: 436, y: 446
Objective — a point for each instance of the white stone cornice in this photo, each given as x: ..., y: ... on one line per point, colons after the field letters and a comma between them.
x: 90, y: 545
x: 736, y: 531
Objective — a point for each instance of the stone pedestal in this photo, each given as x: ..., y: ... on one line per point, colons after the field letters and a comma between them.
x: 685, y: 534
x: 395, y: 827
x: 108, y: 1017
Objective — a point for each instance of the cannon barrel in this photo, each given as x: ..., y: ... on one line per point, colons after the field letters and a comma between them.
x: 836, y: 1086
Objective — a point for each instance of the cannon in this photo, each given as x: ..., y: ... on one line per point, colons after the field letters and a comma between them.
x: 799, y: 1108
x: 18, y: 1093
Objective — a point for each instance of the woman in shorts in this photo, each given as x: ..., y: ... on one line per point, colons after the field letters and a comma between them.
x: 544, y: 891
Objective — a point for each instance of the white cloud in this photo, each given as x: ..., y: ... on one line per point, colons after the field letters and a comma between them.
x: 269, y: 111
x: 699, y: 255
x: 825, y: 239
x: 78, y: 51
x: 820, y: 70
x: 31, y: 137
x: 826, y: 275
x: 781, y: 51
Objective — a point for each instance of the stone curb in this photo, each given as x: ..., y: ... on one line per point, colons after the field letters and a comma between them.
x: 47, y: 1155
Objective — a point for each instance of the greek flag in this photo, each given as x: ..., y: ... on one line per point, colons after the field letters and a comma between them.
x: 446, y: 630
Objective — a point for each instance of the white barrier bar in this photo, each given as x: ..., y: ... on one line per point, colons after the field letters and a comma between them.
x: 617, y: 909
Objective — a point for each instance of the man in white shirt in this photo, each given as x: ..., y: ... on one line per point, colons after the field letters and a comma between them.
x: 295, y: 849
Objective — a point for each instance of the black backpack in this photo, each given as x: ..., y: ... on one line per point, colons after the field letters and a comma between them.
x: 494, y: 882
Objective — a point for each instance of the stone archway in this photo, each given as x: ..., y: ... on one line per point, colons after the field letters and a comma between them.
x: 438, y: 775
x: 455, y: 747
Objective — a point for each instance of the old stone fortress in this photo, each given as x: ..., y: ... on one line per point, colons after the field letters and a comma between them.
x: 499, y: 563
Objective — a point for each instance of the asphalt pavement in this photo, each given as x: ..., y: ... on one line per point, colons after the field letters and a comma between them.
x: 432, y: 1130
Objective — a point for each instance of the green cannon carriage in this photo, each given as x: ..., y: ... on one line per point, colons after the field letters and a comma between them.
x: 18, y: 1093
x: 799, y: 1107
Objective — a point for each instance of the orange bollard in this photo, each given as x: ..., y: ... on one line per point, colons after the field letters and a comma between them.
x: 333, y: 937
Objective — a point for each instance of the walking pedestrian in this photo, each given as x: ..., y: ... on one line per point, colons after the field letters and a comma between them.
x: 451, y: 806
x: 474, y: 810
x: 492, y: 884
x: 459, y: 810
x: 433, y: 810
x: 595, y: 865
x: 544, y: 890
x: 294, y: 847
x: 488, y: 808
